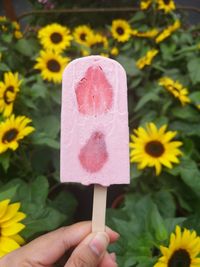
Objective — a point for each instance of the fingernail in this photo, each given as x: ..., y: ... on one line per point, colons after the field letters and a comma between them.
x: 99, y: 243
x: 113, y: 256
x: 117, y: 235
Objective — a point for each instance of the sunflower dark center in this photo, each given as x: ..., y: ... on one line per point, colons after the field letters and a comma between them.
x: 120, y: 30
x: 53, y: 65
x: 180, y: 258
x: 83, y: 36
x: 154, y: 148
x: 9, y: 136
x: 5, y: 95
x: 56, y: 37
x: 167, y: 2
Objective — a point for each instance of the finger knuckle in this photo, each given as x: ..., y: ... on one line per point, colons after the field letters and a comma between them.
x: 80, y: 261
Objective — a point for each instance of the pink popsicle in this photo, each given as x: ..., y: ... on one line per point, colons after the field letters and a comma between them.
x: 94, y: 123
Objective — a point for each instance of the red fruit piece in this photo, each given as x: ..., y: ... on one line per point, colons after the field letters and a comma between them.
x: 93, y: 155
x: 94, y: 93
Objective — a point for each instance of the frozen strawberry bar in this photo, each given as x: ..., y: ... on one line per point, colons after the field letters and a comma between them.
x: 94, y: 123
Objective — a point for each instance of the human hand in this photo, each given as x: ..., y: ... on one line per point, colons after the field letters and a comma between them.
x: 46, y: 250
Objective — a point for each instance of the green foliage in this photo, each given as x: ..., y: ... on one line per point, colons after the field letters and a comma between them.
x: 42, y: 214
x: 142, y: 228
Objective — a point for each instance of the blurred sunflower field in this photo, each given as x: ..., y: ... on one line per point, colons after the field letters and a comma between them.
x: 158, y: 217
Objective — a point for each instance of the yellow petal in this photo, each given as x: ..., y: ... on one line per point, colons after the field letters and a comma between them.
x: 18, y: 217
x: 158, y: 168
x: 10, y: 212
x: 2, y: 253
x: 7, y: 244
x: 13, y: 229
x: 18, y: 239
x: 13, y: 145
x: 3, y: 206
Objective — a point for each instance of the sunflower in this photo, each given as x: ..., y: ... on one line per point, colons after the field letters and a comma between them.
x: 146, y: 59
x: 81, y: 34
x: 55, y: 37
x: 8, y: 91
x: 51, y: 65
x: 145, y: 4
x: 95, y: 41
x: 12, y: 130
x: 153, y: 147
x: 10, y: 226
x: 175, y: 88
x: 183, y: 250
x: 166, y: 5
x: 168, y: 31
x: 121, y: 30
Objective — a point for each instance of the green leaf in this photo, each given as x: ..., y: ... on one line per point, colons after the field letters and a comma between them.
x: 148, y: 97
x: 66, y: 203
x: 8, y: 192
x: 29, y: 103
x: 185, y: 127
x: 188, y: 147
x: 194, y: 70
x: 36, y: 222
x: 186, y: 112
x: 138, y: 16
x: 158, y: 225
x: 167, y: 50
x: 135, y: 82
x: 195, y: 97
x: 5, y: 160
x: 172, y: 222
x: 165, y: 202
x: 126, y: 46
x: 190, y: 175
x: 42, y: 139
x: 186, y: 38
x: 148, y: 117
x: 49, y: 125
x: 38, y: 90
x: 7, y: 37
x: 26, y: 47
x: 39, y: 190
x: 161, y: 120
x: 23, y: 192
x: 4, y: 67
x: 56, y: 95
x: 129, y: 65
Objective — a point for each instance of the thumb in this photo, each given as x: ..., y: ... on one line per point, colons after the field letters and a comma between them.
x: 90, y: 251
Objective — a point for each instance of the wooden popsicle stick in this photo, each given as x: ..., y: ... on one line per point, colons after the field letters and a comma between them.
x: 99, y: 208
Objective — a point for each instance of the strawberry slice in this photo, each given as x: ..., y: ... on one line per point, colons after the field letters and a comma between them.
x: 93, y: 155
x: 94, y: 93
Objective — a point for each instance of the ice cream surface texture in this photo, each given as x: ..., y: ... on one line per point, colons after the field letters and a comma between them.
x: 94, y: 123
